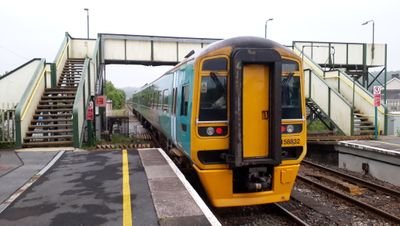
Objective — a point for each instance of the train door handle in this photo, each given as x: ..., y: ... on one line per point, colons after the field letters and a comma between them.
x: 183, y: 127
x: 264, y: 115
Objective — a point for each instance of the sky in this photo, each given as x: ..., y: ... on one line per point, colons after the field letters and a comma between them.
x: 36, y: 29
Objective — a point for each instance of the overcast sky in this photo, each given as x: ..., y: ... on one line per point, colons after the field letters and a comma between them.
x: 32, y: 29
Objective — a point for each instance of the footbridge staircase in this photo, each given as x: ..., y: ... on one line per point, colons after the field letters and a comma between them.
x: 52, y: 99
x: 337, y: 98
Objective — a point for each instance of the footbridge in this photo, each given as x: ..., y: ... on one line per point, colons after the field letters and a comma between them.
x: 50, y: 99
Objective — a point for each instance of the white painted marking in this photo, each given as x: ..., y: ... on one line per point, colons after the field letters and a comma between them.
x: 370, y: 147
x: 32, y: 180
x: 207, y: 212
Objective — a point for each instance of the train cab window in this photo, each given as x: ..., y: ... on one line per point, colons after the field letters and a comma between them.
x: 213, y: 99
x: 217, y: 64
x: 291, y: 98
x: 289, y: 66
x: 185, y: 100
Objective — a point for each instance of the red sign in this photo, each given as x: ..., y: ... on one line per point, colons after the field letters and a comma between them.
x: 90, y: 112
x: 377, y: 96
x: 377, y: 100
x: 101, y: 101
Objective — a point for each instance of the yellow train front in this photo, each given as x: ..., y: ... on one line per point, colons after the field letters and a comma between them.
x: 248, y: 123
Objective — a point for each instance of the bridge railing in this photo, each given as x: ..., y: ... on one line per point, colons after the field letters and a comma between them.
x: 81, y: 101
x: 30, y: 99
x: 60, y: 59
x: 358, y: 97
x: 329, y: 100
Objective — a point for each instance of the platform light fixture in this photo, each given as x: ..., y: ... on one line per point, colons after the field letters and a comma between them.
x: 87, y: 21
x: 266, y: 26
x: 373, y: 35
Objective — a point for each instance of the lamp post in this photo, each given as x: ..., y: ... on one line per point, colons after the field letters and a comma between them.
x: 266, y: 24
x: 373, y: 35
x: 87, y: 21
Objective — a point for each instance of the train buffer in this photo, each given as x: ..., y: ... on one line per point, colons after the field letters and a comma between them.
x: 54, y: 186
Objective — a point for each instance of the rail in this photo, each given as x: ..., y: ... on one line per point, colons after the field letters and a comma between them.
x: 351, y: 199
x: 30, y: 99
x: 81, y: 101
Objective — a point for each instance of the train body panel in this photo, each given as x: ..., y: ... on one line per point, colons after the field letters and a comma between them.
x: 237, y: 111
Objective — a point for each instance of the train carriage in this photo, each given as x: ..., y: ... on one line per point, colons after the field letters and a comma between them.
x: 236, y: 111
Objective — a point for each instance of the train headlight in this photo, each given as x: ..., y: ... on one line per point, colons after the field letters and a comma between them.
x: 210, y: 131
x: 290, y: 128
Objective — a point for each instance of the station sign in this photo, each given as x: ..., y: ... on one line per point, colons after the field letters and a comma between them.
x: 101, y: 101
x: 377, y: 95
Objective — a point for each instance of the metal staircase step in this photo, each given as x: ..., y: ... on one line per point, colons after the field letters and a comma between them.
x: 59, y: 92
x: 41, y: 106
x: 50, y: 131
x: 58, y: 97
x: 69, y: 101
x: 38, y: 111
x: 35, y: 116
x: 48, y: 144
x: 34, y: 121
x: 48, y: 137
x: 49, y: 126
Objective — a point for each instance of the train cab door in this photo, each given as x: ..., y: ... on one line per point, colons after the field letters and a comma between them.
x: 255, y: 110
x: 182, y: 112
x: 255, y: 107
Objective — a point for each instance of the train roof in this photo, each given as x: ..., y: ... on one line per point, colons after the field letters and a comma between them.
x: 247, y: 42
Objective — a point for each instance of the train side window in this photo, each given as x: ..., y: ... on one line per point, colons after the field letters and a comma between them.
x: 165, y: 100
x: 185, y: 100
x: 217, y: 64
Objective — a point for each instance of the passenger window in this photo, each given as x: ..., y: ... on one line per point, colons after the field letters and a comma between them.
x: 185, y: 100
x: 217, y: 64
x: 165, y: 100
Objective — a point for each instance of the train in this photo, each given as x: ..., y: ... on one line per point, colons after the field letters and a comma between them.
x: 235, y: 111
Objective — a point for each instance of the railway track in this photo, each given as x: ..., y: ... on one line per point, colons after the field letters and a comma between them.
x: 291, y: 215
x: 366, y: 202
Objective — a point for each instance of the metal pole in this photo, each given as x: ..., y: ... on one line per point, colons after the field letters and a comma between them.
x: 373, y: 38
x: 376, y: 122
x: 266, y: 26
x: 87, y: 21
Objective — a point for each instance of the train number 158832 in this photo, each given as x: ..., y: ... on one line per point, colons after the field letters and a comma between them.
x: 291, y: 141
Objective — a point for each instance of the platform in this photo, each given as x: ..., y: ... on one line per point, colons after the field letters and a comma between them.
x: 378, y: 158
x: 61, y: 187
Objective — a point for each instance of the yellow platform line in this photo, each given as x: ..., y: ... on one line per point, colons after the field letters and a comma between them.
x: 126, y: 191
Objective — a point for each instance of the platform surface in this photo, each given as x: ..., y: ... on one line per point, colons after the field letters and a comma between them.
x: 389, y: 145
x: 85, y: 188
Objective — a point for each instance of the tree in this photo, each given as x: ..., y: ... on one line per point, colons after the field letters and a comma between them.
x: 116, y: 95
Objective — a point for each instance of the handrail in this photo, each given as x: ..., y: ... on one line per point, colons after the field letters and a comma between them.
x: 341, y: 72
x: 79, y: 111
x: 62, y: 51
x: 26, y: 99
x: 18, y: 68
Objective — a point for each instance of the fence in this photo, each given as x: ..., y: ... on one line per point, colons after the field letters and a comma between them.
x: 7, y: 123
